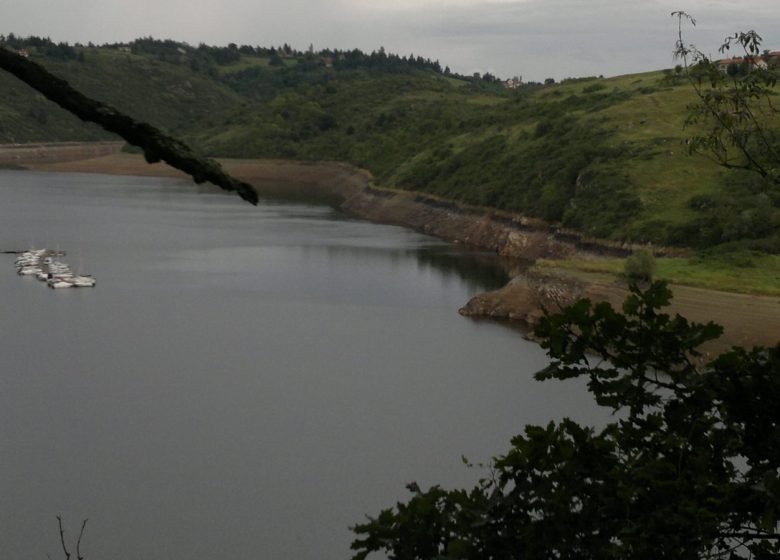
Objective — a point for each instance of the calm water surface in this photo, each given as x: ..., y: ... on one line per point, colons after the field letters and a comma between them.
x: 243, y: 383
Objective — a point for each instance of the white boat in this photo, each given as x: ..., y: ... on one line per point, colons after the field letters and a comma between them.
x: 29, y: 270
x: 72, y: 282
x: 35, y: 253
x: 83, y: 281
x: 59, y: 277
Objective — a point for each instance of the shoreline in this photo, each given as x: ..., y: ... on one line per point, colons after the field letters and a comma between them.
x: 748, y: 320
x: 23, y: 155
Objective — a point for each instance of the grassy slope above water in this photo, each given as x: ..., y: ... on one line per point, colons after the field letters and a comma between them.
x: 603, y: 156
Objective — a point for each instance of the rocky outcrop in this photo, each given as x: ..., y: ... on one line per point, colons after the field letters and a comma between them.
x: 525, y: 298
x: 505, y: 235
x: 508, y: 234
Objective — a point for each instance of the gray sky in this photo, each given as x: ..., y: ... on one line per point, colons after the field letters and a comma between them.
x: 535, y: 39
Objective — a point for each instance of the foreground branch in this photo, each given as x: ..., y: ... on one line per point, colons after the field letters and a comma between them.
x: 156, y: 145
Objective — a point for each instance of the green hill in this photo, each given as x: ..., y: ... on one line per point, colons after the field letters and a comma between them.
x: 603, y: 156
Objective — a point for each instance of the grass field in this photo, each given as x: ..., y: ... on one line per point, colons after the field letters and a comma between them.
x: 743, y: 272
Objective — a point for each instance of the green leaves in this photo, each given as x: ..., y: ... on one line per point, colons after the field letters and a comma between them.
x: 689, y: 468
x: 735, y: 116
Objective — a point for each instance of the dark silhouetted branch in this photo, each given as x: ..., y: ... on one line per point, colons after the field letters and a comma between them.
x: 156, y: 145
x: 62, y: 539
x: 78, y: 542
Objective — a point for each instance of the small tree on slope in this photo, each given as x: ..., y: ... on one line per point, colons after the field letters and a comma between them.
x: 736, y: 119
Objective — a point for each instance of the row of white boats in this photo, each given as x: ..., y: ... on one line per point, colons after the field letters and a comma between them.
x: 42, y: 264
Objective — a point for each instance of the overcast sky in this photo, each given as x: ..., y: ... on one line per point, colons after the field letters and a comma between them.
x: 534, y: 39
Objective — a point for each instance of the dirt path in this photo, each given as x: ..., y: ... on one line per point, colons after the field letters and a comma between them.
x: 748, y: 320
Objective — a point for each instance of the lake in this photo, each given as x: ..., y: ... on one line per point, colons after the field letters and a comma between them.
x: 243, y: 383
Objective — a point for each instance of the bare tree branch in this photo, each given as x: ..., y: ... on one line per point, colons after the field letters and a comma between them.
x: 78, y: 542
x: 62, y: 539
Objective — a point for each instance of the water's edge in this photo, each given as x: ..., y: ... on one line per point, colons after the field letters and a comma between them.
x: 518, y: 237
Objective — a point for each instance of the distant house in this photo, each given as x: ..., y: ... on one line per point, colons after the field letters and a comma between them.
x: 23, y: 52
x: 751, y: 61
x: 513, y: 83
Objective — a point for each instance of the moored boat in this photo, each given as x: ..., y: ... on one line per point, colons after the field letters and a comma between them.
x: 41, y: 263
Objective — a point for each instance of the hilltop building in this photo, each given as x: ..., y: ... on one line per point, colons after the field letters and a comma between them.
x: 752, y: 62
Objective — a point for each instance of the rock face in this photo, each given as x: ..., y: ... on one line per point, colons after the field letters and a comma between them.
x: 524, y: 298
x: 507, y: 235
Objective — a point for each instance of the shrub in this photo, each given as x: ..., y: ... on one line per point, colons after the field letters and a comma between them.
x: 593, y: 88
x: 641, y: 265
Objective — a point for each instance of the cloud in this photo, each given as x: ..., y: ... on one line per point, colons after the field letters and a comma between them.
x: 533, y: 38
x: 423, y: 5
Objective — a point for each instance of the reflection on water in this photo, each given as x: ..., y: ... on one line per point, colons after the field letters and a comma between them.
x: 481, y: 271
x: 243, y: 382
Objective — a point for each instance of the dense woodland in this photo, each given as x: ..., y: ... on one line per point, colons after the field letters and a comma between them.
x: 603, y: 156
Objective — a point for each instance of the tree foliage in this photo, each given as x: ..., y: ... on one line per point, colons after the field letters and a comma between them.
x: 736, y: 116
x: 688, y: 468
x: 641, y: 265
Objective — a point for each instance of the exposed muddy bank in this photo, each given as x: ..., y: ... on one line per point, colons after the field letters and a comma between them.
x: 21, y: 155
x: 353, y: 190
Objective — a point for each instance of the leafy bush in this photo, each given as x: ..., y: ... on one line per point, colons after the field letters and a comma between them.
x: 593, y: 88
x: 641, y: 265
x: 685, y: 469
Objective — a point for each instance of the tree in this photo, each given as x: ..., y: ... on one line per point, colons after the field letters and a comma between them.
x: 276, y: 60
x: 736, y: 114
x: 640, y: 266
x: 687, y: 469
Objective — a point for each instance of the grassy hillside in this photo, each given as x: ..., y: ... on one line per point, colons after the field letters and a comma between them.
x: 170, y: 96
x: 603, y: 156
